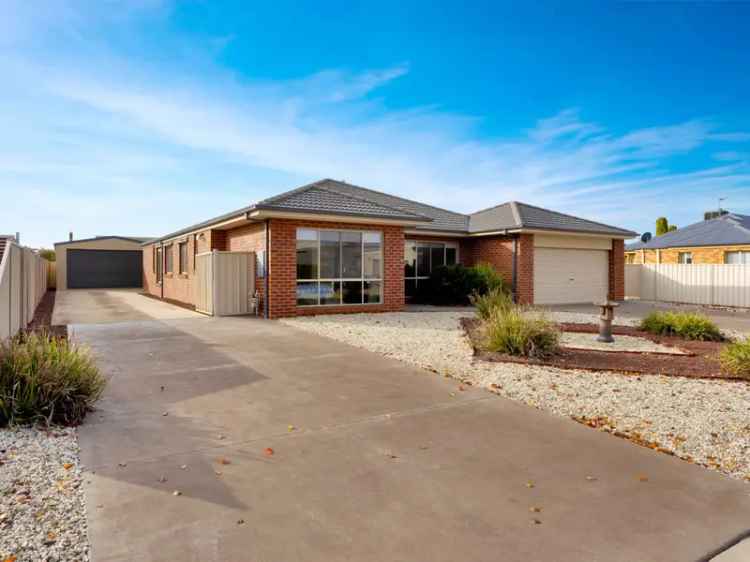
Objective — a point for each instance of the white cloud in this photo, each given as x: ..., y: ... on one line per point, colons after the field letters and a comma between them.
x: 112, y: 144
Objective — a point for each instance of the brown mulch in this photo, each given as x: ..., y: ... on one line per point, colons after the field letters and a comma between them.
x: 42, y: 320
x: 702, y: 361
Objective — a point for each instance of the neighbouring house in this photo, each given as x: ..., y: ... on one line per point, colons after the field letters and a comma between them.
x: 720, y: 240
x: 102, y: 262
x: 332, y: 247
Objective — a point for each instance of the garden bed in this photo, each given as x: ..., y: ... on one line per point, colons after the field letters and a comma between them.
x: 42, y: 320
x: 699, y: 361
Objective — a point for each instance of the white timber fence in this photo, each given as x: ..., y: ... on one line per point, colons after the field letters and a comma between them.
x: 23, y: 282
x: 224, y: 283
x: 710, y: 284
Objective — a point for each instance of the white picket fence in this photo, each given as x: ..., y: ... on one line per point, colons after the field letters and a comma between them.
x: 23, y: 282
x: 719, y: 285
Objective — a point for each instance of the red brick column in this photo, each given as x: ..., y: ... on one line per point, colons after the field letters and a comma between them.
x: 617, y: 271
x: 525, y: 269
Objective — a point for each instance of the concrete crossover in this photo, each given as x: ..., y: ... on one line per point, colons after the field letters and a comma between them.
x: 385, y: 462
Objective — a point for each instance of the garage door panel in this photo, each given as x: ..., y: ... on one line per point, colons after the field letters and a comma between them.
x: 92, y: 269
x: 563, y: 276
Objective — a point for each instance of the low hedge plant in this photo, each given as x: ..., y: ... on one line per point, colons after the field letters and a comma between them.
x: 688, y: 325
x: 517, y: 331
x: 454, y: 284
x: 735, y: 358
x: 46, y: 379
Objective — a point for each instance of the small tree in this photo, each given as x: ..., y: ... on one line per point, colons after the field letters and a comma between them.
x: 672, y: 227
x: 47, y: 254
x: 662, y: 226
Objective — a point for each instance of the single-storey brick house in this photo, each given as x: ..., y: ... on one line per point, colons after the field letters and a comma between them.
x: 723, y: 239
x: 332, y: 247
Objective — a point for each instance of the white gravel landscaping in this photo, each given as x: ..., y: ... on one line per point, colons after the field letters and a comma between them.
x: 42, y: 510
x: 705, y: 421
x: 577, y: 340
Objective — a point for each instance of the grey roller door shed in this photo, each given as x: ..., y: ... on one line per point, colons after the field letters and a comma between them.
x: 92, y: 269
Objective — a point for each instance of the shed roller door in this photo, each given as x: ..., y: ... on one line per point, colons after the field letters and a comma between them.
x: 100, y: 269
x: 563, y: 276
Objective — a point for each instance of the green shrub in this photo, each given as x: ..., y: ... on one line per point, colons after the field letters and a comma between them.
x: 735, y: 358
x: 686, y: 325
x: 486, y: 279
x: 46, y: 379
x: 491, y: 300
x: 454, y: 284
x: 516, y: 331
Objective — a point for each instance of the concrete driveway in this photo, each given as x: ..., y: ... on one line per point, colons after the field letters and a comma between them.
x: 372, y: 460
x: 101, y: 306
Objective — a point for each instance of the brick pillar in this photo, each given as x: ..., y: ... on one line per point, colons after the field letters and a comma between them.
x: 617, y: 271
x: 282, y: 269
x: 525, y: 269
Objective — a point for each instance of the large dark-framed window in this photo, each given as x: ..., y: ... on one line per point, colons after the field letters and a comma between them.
x: 339, y: 267
x: 420, y: 258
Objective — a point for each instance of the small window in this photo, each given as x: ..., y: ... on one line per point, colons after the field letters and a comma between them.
x: 685, y: 257
x: 737, y: 258
x: 183, y: 257
x: 158, y: 254
x: 169, y: 253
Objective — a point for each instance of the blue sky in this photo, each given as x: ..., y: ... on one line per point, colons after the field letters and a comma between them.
x: 138, y: 118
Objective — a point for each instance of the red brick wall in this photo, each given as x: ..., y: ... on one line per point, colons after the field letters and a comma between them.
x: 179, y: 286
x: 283, y: 269
x: 494, y: 250
x: 525, y: 269
x: 617, y: 271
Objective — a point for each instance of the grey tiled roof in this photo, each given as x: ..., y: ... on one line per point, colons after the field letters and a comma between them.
x: 339, y: 198
x: 322, y: 199
x: 515, y: 215
x: 441, y: 219
x: 726, y: 230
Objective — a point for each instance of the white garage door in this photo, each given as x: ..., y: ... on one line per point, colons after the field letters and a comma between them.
x: 564, y: 276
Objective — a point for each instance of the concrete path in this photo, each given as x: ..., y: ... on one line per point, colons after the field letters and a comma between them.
x: 383, y: 462
x: 100, y: 306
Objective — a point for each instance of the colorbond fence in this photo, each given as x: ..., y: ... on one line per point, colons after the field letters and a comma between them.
x: 224, y: 283
x: 23, y: 282
x: 718, y: 285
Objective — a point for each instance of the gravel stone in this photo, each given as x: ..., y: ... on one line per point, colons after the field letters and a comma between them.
x: 622, y: 343
x: 42, y: 509
x: 702, y: 421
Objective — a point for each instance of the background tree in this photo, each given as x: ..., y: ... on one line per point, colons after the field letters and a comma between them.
x: 662, y: 226
x: 47, y: 254
x: 672, y: 227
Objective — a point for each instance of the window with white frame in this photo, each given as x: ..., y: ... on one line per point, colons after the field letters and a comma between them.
x: 339, y: 267
x: 420, y: 258
x: 737, y: 258
x: 685, y: 257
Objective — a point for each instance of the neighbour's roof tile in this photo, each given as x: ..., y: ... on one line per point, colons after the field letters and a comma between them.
x: 727, y: 230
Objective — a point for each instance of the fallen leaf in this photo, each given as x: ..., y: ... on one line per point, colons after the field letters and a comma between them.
x: 643, y: 478
x: 122, y: 464
x: 183, y: 467
x: 222, y: 460
x: 240, y: 521
x: 68, y: 465
x: 268, y: 451
x: 529, y: 484
x: 291, y: 427
x: 536, y: 521
x: 176, y: 493
x: 461, y: 388
x: 11, y: 558
x: 591, y: 478
x: 218, y: 472
x: 535, y: 509
x: 221, y: 437
x: 165, y: 413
